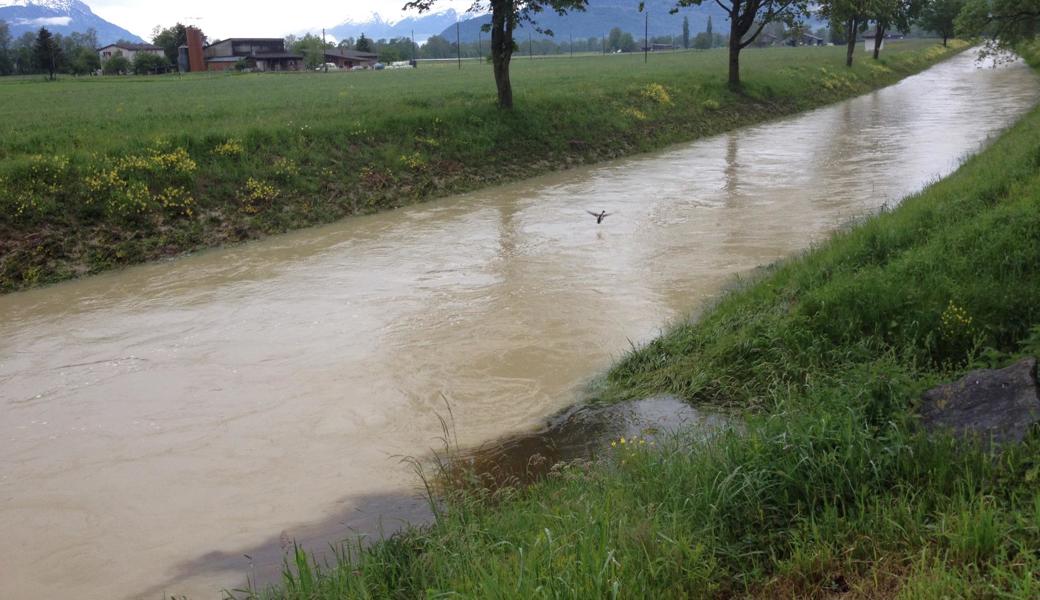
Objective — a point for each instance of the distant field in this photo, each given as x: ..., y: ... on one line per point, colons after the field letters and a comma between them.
x: 101, y: 172
x: 105, y: 113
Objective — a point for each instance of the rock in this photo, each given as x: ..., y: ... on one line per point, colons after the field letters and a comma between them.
x: 996, y: 406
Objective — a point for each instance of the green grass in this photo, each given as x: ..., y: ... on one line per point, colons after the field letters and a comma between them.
x: 831, y: 489
x: 97, y: 173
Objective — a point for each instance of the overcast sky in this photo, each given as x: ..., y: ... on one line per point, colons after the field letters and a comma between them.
x: 242, y: 18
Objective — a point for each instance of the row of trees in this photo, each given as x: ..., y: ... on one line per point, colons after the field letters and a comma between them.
x: 1009, y: 21
x: 44, y: 52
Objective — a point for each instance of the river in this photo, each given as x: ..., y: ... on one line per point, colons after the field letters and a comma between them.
x: 159, y: 423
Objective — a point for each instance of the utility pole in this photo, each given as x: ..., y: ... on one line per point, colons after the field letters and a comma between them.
x: 415, y: 51
x: 480, y: 43
x: 530, y: 45
x: 572, y: 44
x: 646, y: 40
x: 324, y: 46
x: 458, y: 42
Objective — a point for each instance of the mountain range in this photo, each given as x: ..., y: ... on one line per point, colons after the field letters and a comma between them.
x: 596, y: 21
x: 59, y: 16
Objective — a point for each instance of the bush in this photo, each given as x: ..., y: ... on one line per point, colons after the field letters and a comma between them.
x: 145, y: 64
x: 117, y: 65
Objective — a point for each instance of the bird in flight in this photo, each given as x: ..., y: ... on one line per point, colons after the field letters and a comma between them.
x: 600, y: 216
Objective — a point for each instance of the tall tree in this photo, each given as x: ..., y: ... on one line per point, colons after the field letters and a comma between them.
x: 747, y: 18
x: 171, y: 39
x: 6, y: 61
x: 686, y: 32
x: 363, y: 44
x: 506, y: 16
x: 851, y: 16
x: 47, y: 53
x: 939, y: 16
x: 889, y: 14
x: 1007, y: 22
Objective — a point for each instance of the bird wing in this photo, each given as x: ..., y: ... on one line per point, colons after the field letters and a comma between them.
x: 592, y: 213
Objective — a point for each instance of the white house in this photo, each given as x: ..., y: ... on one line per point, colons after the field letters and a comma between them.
x: 128, y: 51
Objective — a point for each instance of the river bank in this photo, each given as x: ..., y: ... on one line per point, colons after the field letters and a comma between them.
x: 830, y: 488
x: 150, y: 168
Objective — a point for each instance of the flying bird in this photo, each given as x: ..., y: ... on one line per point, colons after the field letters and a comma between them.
x: 600, y: 216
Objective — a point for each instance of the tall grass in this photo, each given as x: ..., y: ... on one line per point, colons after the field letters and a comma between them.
x: 831, y: 489
x: 96, y: 173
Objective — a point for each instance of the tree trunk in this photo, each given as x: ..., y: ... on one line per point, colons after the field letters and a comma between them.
x: 734, y: 56
x: 502, y: 50
x: 879, y: 38
x: 852, y: 26
x: 945, y: 37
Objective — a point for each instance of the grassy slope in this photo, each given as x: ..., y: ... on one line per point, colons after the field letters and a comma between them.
x: 142, y: 168
x: 831, y: 490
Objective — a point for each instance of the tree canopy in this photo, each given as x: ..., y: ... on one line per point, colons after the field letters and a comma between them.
x: 506, y: 16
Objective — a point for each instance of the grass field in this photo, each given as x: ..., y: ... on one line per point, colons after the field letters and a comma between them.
x: 830, y: 490
x: 96, y: 173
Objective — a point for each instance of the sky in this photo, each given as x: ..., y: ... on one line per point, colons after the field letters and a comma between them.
x: 243, y: 18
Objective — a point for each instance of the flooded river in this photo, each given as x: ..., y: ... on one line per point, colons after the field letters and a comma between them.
x: 159, y: 423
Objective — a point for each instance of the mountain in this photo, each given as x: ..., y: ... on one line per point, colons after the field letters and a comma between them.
x: 59, y: 16
x: 603, y: 15
x: 376, y: 27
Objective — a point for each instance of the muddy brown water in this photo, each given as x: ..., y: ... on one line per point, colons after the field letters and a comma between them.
x: 159, y: 423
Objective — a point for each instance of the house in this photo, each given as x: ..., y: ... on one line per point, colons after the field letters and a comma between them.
x: 258, y: 54
x: 128, y: 51
x: 349, y: 59
x: 804, y: 39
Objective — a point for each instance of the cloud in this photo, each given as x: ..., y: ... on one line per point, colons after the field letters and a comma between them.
x: 45, y: 21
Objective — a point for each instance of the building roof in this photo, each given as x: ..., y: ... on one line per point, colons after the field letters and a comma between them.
x: 132, y: 47
x: 275, y: 55
x: 354, y: 54
x: 264, y: 40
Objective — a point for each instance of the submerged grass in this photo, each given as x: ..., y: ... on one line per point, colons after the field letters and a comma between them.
x: 143, y: 168
x: 830, y: 490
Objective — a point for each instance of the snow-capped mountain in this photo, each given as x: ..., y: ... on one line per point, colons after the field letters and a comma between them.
x: 59, y: 16
x: 376, y: 27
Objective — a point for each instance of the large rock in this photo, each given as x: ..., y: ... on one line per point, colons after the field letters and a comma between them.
x: 995, y: 406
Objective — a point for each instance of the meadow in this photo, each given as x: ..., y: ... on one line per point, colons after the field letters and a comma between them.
x: 98, y: 173
x: 830, y: 488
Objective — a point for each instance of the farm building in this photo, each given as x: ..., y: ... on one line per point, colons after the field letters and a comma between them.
x: 128, y: 51
x: 259, y: 54
x: 348, y: 59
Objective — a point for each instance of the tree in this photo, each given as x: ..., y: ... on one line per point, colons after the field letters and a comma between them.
x: 311, y: 47
x: 747, y: 18
x: 506, y: 16
x: 708, y: 30
x: 702, y: 41
x: 47, y: 53
x: 363, y: 44
x: 686, y: 32
x: 171, y: 39
x: 939, y: 16
x: 146, y: 63
x: 6, y: 61
x: 1008, y: 22
x: 892, y: 13
x: 117, y: 65
x: 851, y: 16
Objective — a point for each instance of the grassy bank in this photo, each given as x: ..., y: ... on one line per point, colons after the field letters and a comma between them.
x: 96, y: 173
x: 831, y: 490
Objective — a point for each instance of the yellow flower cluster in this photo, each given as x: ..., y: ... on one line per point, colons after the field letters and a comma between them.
x: 134, y: 198
x: 630, y: 443
x: 230, y: 148
x: 414, y: 161
x: 45, y: 177
x: 656, y: 93
x: 176, y: 200
x: 173, y: 162
x: 285, y: 168
x: 834, y: 81
x: 635, y: 113
x: 955, y: 320
x: 710, y: 104
x: 256, y: 193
